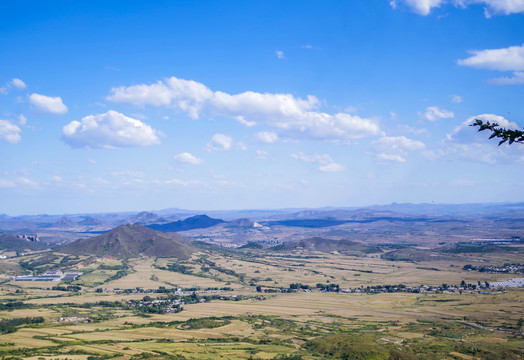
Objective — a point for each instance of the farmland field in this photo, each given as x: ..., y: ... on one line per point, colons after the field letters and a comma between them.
x: 256, y: 316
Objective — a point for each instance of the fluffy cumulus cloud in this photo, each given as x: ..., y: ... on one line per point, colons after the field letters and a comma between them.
x: 395, y: 148
x: 109, y: 130
x: 220, y: 142
x: 288, y: 115
x: 434, y: 113
x: 9, y: 132
x: 464, y: 133
x: 325, y: 162
x: 48, y: 104
x: 491, y: 7
x: 187, y: 158
x: 465, y: 143
x: 505, y: 59
x: 266, y: 137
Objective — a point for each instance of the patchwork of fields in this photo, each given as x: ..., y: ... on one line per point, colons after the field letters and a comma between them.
x: 241, y: 305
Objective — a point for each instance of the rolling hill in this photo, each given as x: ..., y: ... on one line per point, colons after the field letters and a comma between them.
x: 16, y: 243
x: 129, y: 241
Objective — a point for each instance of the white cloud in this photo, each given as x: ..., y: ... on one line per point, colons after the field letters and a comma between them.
x: 516, y: 79
x: 395, y: 148
x: 466, y: 143
x: 267, y: 137
x: 390, y: 157
x: 186, y: 95
x: 413, y: 130
x: 220, y: 142
x: 9, y: 132
x: 6, y: 183
x: 434, y: 113
x: 262, y: 154
x: 109, y: 130
x: 291, y: 117
x: 505, y: 59
x: 456, y: 99
x: 22, y: 119
x: 128, y: 174
x: 187, y: 158
x: 26, y: 182
x: 465, y: 133
x: 424, y: 7
x: 241, y: 146
x: 280, y: 54
x: 19, y: 84
x: 185, y: 183
x: 325, y: 162
x: 48, y: 104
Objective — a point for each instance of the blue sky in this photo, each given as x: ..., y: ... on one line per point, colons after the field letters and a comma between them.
x: 131, y: 105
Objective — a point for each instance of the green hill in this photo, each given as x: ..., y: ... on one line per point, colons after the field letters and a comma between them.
x: 129, y: 241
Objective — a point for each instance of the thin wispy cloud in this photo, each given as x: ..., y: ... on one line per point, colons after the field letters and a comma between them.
x: 267, y: 137
x: 395, y: 148
x: 434, y: 113
x: 324, y: 161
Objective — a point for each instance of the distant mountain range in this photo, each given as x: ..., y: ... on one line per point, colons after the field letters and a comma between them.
x: 59, y: 229
x: 130, y: 241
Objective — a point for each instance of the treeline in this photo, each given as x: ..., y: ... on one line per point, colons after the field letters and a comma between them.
x: 74, y: 288
x: 9, y: 325
x: 14, y: 305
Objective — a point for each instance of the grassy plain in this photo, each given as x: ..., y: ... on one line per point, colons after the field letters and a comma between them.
x: 300, y: 325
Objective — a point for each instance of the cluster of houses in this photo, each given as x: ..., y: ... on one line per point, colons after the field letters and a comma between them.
x: 481, y: 287
x: 74, y: 319
x: 506, y: 268
x: 161, y: 290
